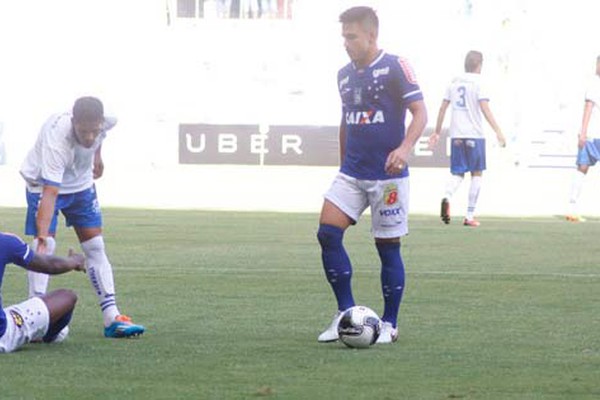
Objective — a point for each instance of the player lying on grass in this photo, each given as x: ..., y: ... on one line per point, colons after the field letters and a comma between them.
x: 43, y: 318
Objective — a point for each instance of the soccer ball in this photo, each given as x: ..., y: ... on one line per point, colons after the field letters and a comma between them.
x: 359, y: 327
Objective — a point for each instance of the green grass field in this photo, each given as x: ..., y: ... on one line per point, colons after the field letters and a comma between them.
x: 233, y: 303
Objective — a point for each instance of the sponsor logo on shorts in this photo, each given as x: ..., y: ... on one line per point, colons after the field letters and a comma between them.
x: 96, y: 206
x: 390, y: 194
x: 17, y: 318
x: 390, y: 197
x: 389, y: 212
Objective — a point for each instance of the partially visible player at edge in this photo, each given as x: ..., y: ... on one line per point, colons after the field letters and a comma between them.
x: 468, y: 99
x: 43, y: 318
x: 59, y: 171
x: 588, y: 145
x: 376, y: 89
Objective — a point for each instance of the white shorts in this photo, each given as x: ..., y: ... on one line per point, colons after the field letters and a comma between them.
x: 25, y: 322
x: 388, y: 201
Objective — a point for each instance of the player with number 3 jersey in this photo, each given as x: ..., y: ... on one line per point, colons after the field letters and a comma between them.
x: 468, y: 99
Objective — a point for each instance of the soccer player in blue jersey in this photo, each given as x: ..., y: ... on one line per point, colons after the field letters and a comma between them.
x: 43, y: 318
x: 376, y: 90
x: 588, y: 145
x: 59, y: 171
x: 468, y: 99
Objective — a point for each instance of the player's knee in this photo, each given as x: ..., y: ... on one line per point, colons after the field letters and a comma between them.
x: 68, y: 296
x: 389, y: 253
x: 330, y: 236
x: 93, y: 245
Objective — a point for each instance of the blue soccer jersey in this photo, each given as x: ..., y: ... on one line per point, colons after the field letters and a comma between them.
x: 374, y: 103
x: 12, y: 250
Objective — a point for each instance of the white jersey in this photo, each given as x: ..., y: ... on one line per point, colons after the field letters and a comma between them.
x: 58, y: 159
x: 593, y: 94
x: 464, y: 94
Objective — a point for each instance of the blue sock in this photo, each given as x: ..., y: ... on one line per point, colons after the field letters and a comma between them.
x: 58, y: 326
x: 392, y: 280
x: 336, y: 264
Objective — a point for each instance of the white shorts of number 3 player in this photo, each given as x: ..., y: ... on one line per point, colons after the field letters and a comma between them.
x: 388, y: 200
x: 25, y: 322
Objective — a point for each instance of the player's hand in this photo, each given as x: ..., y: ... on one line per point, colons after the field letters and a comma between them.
x: 396, y: 162
x: 78, y: 259
x: 582, y: 138
x: 98, y: 168
x: 433, y: 140
x: 501, y: 141
x: 42, y: 245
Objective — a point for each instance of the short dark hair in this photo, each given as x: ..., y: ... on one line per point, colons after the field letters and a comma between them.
x: 362, y: 14
x: 473, y: 60
x: 88, y: 109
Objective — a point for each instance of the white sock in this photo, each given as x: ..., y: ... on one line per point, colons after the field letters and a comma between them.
x: 576, y: 186
x: 100, y: 273
x: 452, y: 185
x: 37, y: 282
x: 473, y: 196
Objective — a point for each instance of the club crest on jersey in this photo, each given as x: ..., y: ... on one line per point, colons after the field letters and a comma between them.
x: 390, y: 194
x: 17, y: 318
x: 364, y: 117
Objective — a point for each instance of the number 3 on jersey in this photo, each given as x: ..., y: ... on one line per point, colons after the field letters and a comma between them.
x: 461, y: 102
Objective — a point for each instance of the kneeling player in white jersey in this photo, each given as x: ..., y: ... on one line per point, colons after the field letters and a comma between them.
x: 588, y: 152
x: 60, y: 170
x: 39, y: 319
x: 468, y: 100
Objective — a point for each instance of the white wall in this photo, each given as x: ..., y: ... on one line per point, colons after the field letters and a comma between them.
x: 154, y: 76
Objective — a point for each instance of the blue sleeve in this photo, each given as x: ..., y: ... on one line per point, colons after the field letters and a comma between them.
x: 14, y: 250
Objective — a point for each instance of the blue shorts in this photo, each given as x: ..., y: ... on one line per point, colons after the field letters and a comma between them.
x: 590, y: 153
x: 467, y: 155
x: 80, y: 209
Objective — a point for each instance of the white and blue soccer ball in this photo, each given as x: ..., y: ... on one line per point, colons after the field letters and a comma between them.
x: 359, y: 327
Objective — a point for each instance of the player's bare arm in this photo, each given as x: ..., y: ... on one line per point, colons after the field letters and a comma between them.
x: 489, y: 116
x: 98, y: 163
x: 587, y: 114
x: 55, y: 265
x: 435, y: 136
x: 44, y: 215
x: 342, y: 141
x: 398, y: 158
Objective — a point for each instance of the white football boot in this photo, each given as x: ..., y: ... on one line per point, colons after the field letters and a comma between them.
x: 62, y: 335
x: 388, y: 333
x: 331, y: 333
